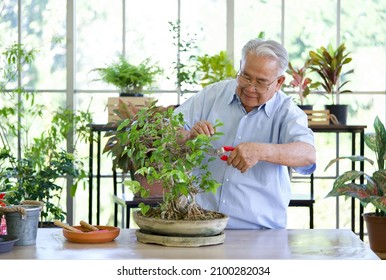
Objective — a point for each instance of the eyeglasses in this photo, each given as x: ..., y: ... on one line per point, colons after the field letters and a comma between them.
x: 259, y: 87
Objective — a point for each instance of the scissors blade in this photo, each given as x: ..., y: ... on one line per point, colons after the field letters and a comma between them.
x: 215, y: 152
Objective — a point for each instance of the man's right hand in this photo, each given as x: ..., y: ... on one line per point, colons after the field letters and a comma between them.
x: 201, y: 127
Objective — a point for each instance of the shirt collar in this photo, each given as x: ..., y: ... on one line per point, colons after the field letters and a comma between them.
x: 267, y: 107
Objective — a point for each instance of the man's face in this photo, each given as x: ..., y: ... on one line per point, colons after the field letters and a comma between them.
x: 258, y: 80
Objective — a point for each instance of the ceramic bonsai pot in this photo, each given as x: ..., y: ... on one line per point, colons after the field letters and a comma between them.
x: 180, y: 233
x: 180, y: 227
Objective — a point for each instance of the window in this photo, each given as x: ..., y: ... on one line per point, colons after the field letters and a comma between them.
x: 138, y: 29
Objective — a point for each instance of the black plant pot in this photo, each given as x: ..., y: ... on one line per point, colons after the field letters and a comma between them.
x: 123, y: 94
x: 306, y: 107
x: 339, y: 113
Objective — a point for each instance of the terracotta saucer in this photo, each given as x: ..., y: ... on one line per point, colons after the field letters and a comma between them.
x: 105, y: 234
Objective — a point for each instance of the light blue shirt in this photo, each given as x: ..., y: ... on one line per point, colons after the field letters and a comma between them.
x: 259, y: 197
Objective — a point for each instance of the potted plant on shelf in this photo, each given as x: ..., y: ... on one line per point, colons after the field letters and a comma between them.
x: 301, y: 83
x: 152, y: 142
x: 130, y: 79
x: 328, y: 63
x: 372, y: 190
x: 215, y: 68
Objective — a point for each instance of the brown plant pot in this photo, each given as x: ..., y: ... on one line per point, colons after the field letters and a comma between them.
x: 376, y: 230
x: 156, y: 189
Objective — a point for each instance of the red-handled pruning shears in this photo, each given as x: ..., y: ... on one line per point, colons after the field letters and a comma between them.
x: 221, y: 152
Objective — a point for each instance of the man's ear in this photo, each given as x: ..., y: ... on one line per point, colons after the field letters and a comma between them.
x: 280, y: 81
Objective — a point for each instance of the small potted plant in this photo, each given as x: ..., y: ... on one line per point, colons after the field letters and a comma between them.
x: 151, y: 140
x: 328, y: 63
x: 301, y: 83
x: 130, y: 79
x: 372, y: 190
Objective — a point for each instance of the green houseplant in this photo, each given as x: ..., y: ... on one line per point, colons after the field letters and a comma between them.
x: 43, y: 164
x: 32, y: 169
x: 300, y: 82
x: 373, y: 190
x: 328, y: 63
x: 152, y: 142
x: 215, y: 68
x: 183, y: 67
x: 129, y: 78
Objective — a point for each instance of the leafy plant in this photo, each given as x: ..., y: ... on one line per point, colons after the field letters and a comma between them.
x: 183, y: 66
x: 25, y: 181
x: 373, y: 191
x: 152, y: 142
x: 36, y: 174
x: 300, y: 81
x: 31, y: 162
x: 127, y: 77
x: 328, y: 64
x: 215, y: 68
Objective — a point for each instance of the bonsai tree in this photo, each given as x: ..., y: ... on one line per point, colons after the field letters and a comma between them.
x: 328, y: 64
x: 300, y: 82
x: 215, y: 68
x: 373, y: 191
x: 151, y: 140
x: 130, y: 79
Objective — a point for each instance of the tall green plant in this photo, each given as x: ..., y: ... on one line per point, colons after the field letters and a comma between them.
x: 183, y: 66
x: 31, y: 162
x: 17, y: 104
x: 328, y: 63
x: 373, y: 191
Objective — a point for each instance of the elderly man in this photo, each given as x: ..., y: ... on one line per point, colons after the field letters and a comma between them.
x: 268, y: 131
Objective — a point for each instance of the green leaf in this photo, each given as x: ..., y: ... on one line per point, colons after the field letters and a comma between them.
x: 134, y: 186
x: 144, y: 208
x: 379, y: 202
x: 352, y: 158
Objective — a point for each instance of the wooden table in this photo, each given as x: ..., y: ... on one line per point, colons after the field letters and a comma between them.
x: 301, y: 244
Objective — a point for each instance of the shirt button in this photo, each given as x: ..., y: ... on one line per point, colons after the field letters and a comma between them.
x: 239, y: 137
x: 226, y: 180
x: 223, y: 201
